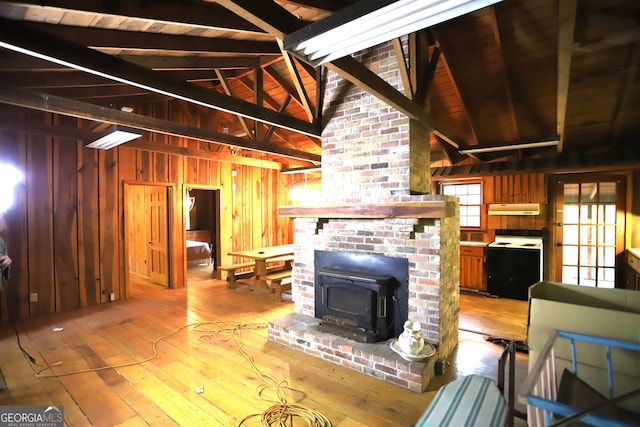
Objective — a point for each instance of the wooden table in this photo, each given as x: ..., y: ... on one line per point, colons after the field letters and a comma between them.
x: 263, y: 255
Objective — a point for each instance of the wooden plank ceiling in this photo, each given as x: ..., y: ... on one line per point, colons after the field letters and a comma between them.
x: 518, y: 71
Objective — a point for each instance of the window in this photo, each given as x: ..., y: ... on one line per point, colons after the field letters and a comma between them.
x: 470, y: 195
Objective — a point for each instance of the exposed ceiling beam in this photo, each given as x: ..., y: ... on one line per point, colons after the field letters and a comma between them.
x: 442, y: 57
x: 566, y: 29
x: 513, y: 120
x: 248, y: 83
x: 53, y: 104
x: 328, y: 5
x: 355, y: 72
x: 201, y: 154
x: 207, y: 62
x: 281, y: 22
x: 100, y: 38
x: 423, y: 62
x: 229, y: 91
x: 11, y: 123
x: 192, y: 13
x: 283, y: 107
x: 12, y: 61
x: 75, y: 79
x: 297, y: 81
x: 18, y: 38
x: 403, y: 67
x: 267, y: 15
x: 284, y: 83
x: 96, y: 92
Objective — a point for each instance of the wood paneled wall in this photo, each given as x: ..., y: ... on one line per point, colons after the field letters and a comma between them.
x: 516, y: 188
x: 66, y: 234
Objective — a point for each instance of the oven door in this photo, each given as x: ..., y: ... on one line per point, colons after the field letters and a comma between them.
x: 511, y: 270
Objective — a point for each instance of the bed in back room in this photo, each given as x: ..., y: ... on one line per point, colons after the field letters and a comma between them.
x: 198, y: 245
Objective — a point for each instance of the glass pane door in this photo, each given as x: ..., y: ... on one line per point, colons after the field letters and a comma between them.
x: 589, y: 233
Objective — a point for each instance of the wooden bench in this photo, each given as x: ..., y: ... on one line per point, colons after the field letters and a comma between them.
x: 232, y: 275
x: 279, y: 281
x: 280, y: 262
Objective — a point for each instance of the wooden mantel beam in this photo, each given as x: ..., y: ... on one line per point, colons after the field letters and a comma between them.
x: 437, y: 208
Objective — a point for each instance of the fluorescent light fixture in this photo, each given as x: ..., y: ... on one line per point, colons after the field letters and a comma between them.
x: 368, y: 23
x: 304, y: 169
x: 114, y: 136
x: 516, y: 146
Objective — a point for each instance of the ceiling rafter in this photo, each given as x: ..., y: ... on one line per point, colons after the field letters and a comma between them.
x: 566, y: 28
x: 445, y: 64
x: 280, y: 22
x: 425, y: 60
x: 229, y: 91
x: 553, y: 78
x: 74, y: 79
x: 10, y: 61
x: 101, y: 39
x: 258, y: 98
x: 281, y: 108
x: 284, y: 83
x: 403, y: 68
x: 513, y: 119
x: 297, y: 81
x: 194, y: 13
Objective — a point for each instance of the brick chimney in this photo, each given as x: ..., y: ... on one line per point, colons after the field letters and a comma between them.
x: 374, y: 156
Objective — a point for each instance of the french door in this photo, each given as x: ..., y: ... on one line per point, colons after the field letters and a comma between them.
x: 589, y: 232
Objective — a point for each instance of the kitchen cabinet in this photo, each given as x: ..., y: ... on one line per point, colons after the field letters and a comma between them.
x: 472, y: 259
x: 633, y: 269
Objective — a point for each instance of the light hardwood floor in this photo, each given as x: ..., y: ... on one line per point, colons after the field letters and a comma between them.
x: 164, y: 391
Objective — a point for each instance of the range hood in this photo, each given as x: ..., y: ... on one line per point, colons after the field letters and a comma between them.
x: 514, y: 209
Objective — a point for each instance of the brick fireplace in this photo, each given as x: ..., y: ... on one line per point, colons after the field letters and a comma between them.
x: 372, y: 160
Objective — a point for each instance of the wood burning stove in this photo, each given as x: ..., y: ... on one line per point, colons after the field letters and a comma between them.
x: 360, y: 296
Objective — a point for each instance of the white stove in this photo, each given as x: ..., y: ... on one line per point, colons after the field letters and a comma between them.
x: 517, y: 242
x: 514, y: 262
x: 524, y: 239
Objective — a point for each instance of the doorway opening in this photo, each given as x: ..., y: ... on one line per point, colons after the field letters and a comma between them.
x: 202, y: 232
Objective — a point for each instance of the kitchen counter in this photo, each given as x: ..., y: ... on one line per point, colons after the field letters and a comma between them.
x: 634, y: 251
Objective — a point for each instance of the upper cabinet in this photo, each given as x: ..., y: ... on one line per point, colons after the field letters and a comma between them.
x: 520, y: 188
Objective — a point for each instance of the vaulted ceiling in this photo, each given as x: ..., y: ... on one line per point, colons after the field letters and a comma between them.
x: 517, y: 72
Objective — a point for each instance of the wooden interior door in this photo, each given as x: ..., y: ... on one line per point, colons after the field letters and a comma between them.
x: 158, y: 244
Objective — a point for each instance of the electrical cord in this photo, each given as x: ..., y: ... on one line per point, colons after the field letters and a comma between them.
x: 15, y: 329
x: 280, y: 414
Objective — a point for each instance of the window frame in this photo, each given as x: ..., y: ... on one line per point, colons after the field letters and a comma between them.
x: 482, y: 216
